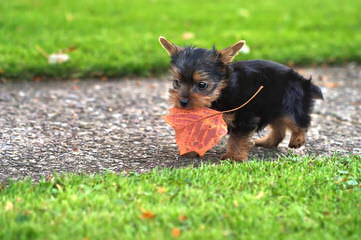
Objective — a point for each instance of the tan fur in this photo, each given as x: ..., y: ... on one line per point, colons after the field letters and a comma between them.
x: 174, y: 97
x: 238, y: 148
x: 200, y: 77
x: 175, y: 72
x: 196, y: 100
x: 168, y: 46
x: 217, y: 92
x: 229, y: 119
x: 277, y: 134
x: 229, y: 53
x: 298, y: 135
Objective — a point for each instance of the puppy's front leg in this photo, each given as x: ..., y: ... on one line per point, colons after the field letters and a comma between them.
x: 238, y: 147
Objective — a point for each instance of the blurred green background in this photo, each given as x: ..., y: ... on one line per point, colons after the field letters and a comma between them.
x: 117, y: 37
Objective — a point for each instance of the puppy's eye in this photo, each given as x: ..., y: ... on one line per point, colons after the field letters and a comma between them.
x: 176, y: 84
x: 202, y: 85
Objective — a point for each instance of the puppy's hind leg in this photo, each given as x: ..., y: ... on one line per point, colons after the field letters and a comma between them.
x: 277, y: 134
x: 298, y: 134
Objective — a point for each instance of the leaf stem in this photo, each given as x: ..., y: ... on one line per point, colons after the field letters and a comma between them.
x: 244, y: 104
x: 234, y: 109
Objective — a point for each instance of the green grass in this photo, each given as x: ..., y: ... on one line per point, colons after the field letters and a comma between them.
x: 293, y: 198
x: 119, y: 37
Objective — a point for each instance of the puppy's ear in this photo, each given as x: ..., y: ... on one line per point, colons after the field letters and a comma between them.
x: 229, y: 53
x: 168, y: 46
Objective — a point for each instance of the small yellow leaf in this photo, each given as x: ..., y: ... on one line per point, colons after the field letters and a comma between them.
x: 188, y: 35
x: 161, y: 190
x: 243, y: 12
x: 9, y: 206
x: 260, y: 195
x: 59, y: 187
x: 69, y: 17
x: 235, y: 203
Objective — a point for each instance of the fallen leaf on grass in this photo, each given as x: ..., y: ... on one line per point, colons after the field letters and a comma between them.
x: 176, y: 232
x: 69, y: 17
x: 259, y: 195
x: 227, y: 233
x: 9, y: 206
x: 161, y: 190
x: 326, y: 213
x: 182, y: 218
x: 243, y: 12
x: 2, y: 71
x: 187, y: 35
x: 57, y: 58
x: 147, y: 215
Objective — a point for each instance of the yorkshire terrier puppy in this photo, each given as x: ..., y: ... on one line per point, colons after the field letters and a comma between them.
x: 208, y: 78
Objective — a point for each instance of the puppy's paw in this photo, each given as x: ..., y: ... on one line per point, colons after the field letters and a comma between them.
x: 297, y: 141
x: 296, y: 145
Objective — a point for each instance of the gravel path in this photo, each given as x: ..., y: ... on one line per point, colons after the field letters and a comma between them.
x: 90, y: 126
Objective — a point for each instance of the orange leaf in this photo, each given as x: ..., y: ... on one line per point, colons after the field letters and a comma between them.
x: 200, y: 129
x: 176, y: 232
x: 161, y: 190
x: 197, y: 130
x: 182, y: 218
x: 147, y: 215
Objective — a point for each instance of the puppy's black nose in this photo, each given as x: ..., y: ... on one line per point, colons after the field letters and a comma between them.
x: 183, y: 102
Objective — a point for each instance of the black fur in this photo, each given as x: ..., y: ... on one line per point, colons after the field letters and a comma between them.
x: 285, y: 92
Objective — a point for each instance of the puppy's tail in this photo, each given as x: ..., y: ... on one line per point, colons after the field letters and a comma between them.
x: 316, y: 92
